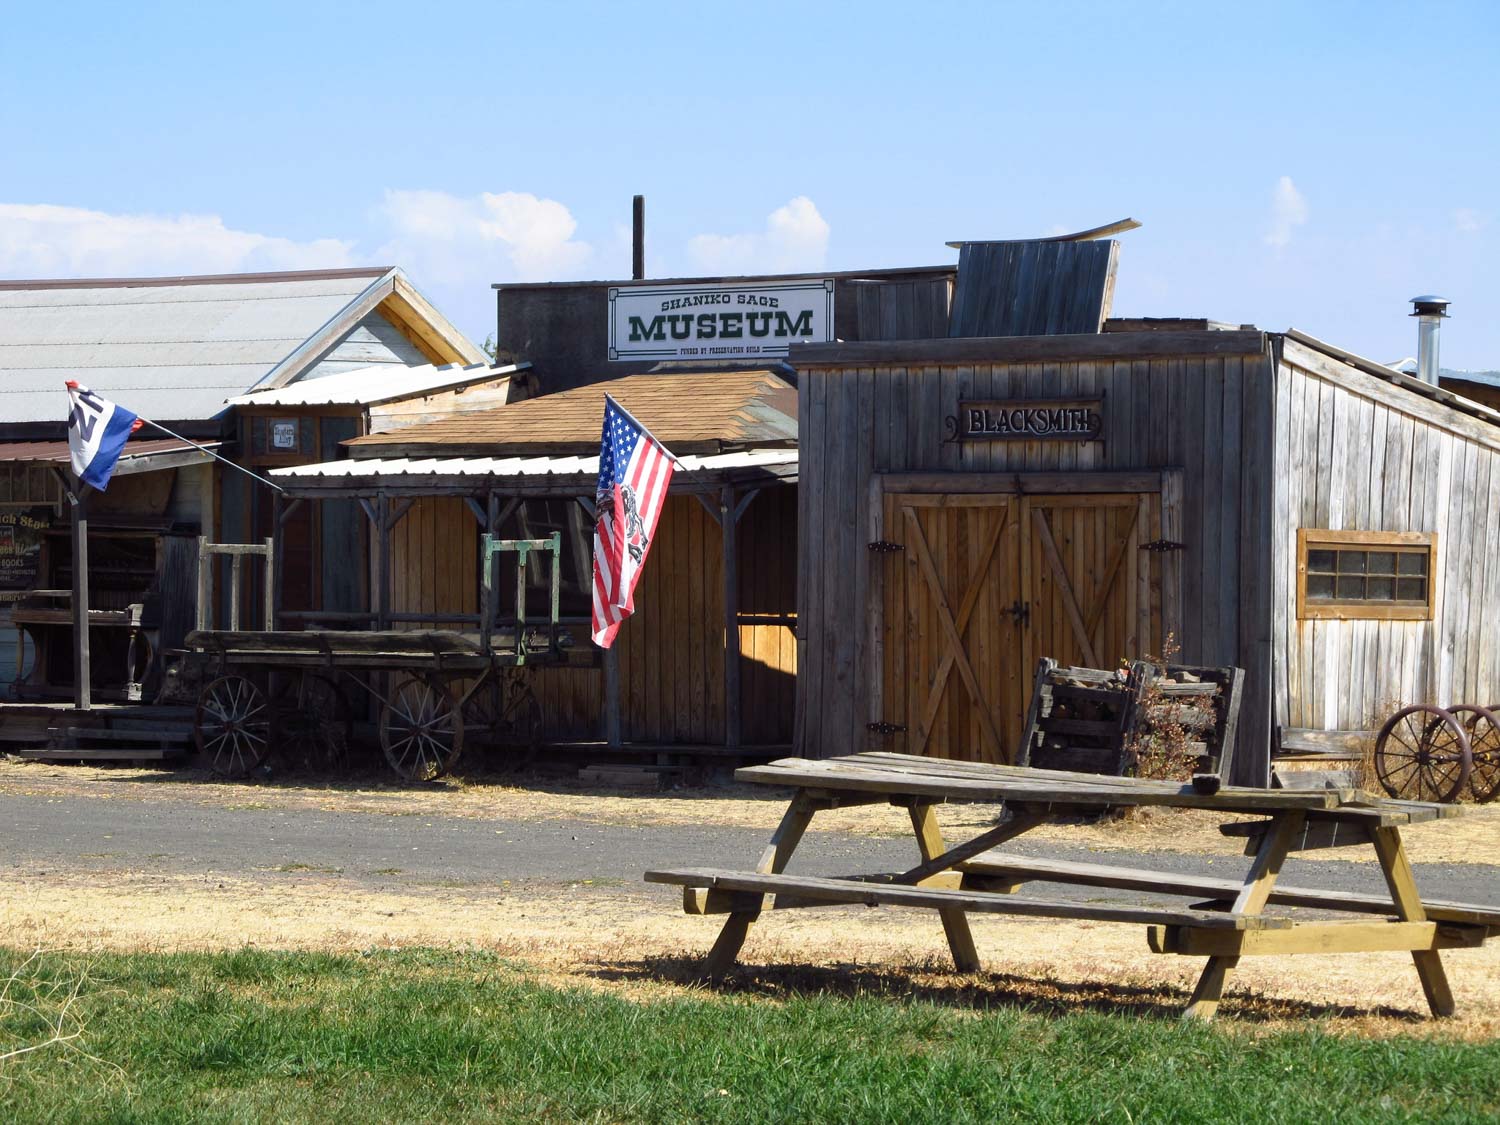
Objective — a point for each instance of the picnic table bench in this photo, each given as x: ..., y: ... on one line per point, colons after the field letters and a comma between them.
x: 1224, y: 922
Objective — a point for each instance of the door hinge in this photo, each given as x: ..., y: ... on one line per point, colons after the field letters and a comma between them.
x: 1159, y: 545
x: 885, y: 728
x: 885, y: 547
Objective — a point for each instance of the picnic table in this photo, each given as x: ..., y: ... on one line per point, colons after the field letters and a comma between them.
x: 1225, y: 921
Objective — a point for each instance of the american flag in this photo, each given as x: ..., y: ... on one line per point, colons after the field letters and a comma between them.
x: 634, y: 471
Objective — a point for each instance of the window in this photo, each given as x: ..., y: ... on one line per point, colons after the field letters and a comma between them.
x: 1365, y: 574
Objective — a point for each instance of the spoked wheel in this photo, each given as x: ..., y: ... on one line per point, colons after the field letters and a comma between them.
x: 313, y: 720
x: 232, y: 725
x: 421, y: 731
x: 1483, y: 727
x: 504, y: 712
x: 1422, y: 754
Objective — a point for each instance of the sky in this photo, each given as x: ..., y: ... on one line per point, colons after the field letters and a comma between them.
x: 1309, y: 165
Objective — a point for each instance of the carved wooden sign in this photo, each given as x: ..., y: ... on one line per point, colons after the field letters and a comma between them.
x: 1028, y: 419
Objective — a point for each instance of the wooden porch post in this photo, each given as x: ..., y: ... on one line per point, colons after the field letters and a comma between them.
x: 613, y: 727
x: 728, y: 521
x: 383, y: 562
x: 81, y: 664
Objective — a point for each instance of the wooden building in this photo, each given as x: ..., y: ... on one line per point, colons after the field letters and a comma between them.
x: 1268, y: 500
x: 174, y: 350
x: 709, y: 658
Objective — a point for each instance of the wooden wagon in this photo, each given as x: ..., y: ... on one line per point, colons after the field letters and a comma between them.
x: 290, y: 691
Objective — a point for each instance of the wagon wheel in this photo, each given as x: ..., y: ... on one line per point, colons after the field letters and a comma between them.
x: 232, y: 725
x: 1483, y: 727
x: 421, y: 731
x: 505, y: 712
x: 1422, y: 753
x: 313, y: 720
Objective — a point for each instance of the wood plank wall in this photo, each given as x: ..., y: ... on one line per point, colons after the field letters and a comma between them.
x: 1356, y: 453
x: 1211, y: 416
x: 435, y: 560
x: 671, y: 651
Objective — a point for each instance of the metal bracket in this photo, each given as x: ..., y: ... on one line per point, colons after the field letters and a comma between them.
x: 1157, y: 546
x: 885, y: 728
x: 885, y: 547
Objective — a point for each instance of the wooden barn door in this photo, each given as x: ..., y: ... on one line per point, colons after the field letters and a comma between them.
x: 1089, y: 584
x: 977, y: 587
x: 953, y: 678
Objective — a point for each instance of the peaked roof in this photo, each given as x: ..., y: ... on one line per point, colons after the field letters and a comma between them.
x: 688, y: 412
x: 177, y: 347
x: 370, y: 386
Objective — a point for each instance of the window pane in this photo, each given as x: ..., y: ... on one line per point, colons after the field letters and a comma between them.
x: 1352, y: 562
x: 1351, y: 589
x: 1380, y: 589
x: 1382, y: 562
x: 1320, y: 560
x: 1413, y: 562
x: 1320, y: 585
x: 1412, y: 589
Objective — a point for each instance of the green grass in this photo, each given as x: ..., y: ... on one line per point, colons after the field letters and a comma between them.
x: 444, y: 1035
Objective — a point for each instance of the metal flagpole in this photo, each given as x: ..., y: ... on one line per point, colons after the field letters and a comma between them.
x: 215, y: 456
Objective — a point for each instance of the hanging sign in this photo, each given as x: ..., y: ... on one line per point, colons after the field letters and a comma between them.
x: 1028, y: 419
x: 718, y: 321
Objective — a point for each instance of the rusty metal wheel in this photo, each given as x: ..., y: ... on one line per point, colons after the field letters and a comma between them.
x: 1422, y: 754
x: 421, y: 730
x: 1483, y: 726
x: 232, y: 725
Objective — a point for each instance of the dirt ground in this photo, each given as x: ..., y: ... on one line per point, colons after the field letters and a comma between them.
x: 633, y: 939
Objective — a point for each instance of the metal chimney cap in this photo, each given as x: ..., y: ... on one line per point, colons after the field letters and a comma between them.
x: 1430, y: 306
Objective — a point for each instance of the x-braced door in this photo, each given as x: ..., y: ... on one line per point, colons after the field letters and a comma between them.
x: 1092, y: 588
x: 952, y: 668
x: 977, y: 587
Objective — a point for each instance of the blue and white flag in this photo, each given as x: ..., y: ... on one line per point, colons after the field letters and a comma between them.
x: 97, y: 432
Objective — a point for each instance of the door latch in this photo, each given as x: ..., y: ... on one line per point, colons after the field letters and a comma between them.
x: 885, y: 547
x: 885, y: 728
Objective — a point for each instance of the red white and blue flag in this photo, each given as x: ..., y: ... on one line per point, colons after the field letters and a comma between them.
x: 634, y: 471
x: 97, y: 432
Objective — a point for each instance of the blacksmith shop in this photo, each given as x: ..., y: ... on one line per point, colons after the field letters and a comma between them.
x: 1108, y: 489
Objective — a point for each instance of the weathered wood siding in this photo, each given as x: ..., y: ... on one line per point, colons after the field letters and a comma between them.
x: 373, y: 340
x: 671, y: 650
x: 1356, y: 453
x: 1209, y: 415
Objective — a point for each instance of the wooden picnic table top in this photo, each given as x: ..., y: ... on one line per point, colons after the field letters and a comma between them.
x: 941, y: 779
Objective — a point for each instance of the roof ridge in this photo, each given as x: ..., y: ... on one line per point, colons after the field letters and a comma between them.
x: 193, y: 279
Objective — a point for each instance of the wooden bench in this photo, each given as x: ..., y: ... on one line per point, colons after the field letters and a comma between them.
x: 974, y: 877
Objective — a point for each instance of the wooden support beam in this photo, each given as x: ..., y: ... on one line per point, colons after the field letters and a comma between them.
x: 383, y: 563
x: 1402, y: 883
x: 955, y: 922
x: 1315, y: 937
x: 1252, y: 899
x: 273, y: 583
x: 728, y: 526
x: 82, y: 665
x: 773, y: 861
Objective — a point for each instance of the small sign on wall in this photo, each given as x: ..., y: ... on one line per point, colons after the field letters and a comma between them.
x: 284, y: 435
x: 1028, y: 419
x: 718, y: 321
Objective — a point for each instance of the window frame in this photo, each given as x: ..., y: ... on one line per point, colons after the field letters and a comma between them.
x: 1316, y: 539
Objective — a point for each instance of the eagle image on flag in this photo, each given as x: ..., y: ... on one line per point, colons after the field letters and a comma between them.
x: 97, y: 432
x: 634, y: 471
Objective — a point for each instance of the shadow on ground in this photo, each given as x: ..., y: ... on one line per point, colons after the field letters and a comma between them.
x: 933, y: 983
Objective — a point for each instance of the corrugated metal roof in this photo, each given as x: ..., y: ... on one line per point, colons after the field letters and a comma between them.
x: 56, y: 452
x: 394, y: 468
x: 698, y: 411
x: 382, y: 382
x: 171, y: 348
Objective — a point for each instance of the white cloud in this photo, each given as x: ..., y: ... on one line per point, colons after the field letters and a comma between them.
x: 45, y: 240
x: 1470, y: 221
x: 795, y: 239
x: 450, y: 239
x: 1288, y: 210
